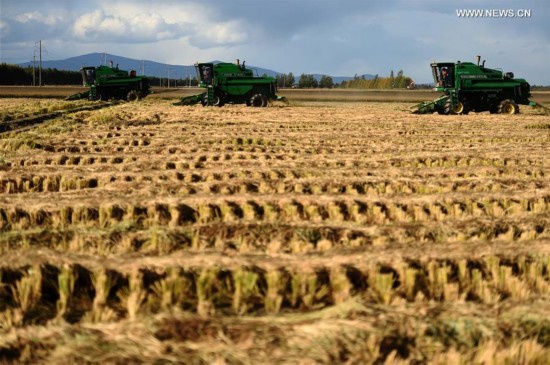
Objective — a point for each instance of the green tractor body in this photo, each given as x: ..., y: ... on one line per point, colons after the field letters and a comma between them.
x: 112, y: 83
x: 233, y: 84
x: 469, y: 87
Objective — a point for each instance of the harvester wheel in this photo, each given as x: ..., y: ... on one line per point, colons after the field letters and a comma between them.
x: 508, y: 107
x: 218, y: 101
x: 132, y: 96
x: 458, y: 108
x: 447, y: 108
x: 258, y: 100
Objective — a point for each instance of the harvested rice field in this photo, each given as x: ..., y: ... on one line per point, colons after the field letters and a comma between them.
x: 311, y: 233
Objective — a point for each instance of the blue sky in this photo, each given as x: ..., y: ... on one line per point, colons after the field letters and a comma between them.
x: 333, y: 37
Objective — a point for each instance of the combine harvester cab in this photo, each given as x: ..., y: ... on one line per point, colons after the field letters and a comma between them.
x: 469, y: 87
x: 112, y: 83
x: 233, y: 84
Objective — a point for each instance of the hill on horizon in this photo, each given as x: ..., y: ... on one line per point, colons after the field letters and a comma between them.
x: 152, y: 68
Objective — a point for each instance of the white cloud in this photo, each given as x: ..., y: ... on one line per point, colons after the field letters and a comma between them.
x: 35, y: 16
x: 113, y: 26
x: 139, y: 24
x: 4, y: 28
x: 26, y: 17
x: 153, y: 24
x: 208, y: 35
x: 88, y: 23
x: 133, y: 28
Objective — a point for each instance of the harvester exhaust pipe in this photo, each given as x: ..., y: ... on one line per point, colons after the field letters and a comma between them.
x: 478, y: 59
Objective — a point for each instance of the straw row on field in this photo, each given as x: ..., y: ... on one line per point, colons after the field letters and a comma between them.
x: 352, y: 331
x: 249, y: 182
x: 298, y: 158
x: 268, y: 210
x: 144, y: 237
x: 41, y: 293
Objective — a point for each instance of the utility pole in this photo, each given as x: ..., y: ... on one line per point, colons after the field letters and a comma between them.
x: 40, y: 71
x: 40, y: 65
x: 33, y: 70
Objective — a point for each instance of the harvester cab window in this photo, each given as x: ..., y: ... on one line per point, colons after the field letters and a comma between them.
x: 446, y: 77
x: 88, y: 75
x: 206, y: 74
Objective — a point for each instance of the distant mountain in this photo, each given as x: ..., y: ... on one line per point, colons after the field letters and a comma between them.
x: 143, y: 67
x: 152, y: 68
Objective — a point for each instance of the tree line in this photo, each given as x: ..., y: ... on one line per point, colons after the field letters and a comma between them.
x: 392, y: 82
x: 309, y: 81
x: 305, y: 81
x: 17, y: 75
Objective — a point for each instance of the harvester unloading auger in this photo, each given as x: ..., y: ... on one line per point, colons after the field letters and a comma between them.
x: 473, y: 87
x: 232, y: 83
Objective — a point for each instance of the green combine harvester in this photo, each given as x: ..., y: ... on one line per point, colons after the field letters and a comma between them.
x: 229, y: 83
x: 112, y: 83
x: 469, y: 87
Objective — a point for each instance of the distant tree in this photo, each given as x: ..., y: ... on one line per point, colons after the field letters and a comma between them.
x: 14, y: 75
x: 17, y: 75
x: 307, y: 81
x: 400, y: 80
x: 377, y: 82
x: 280, y: 80
x: 304, y: 81
x: 326, y: 82
x: 284, y: 80
x: 289, y: 80
x: 185, y: 82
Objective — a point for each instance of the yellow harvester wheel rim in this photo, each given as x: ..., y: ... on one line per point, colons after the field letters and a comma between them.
x: 509, y: 108
x: 458, y: 108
